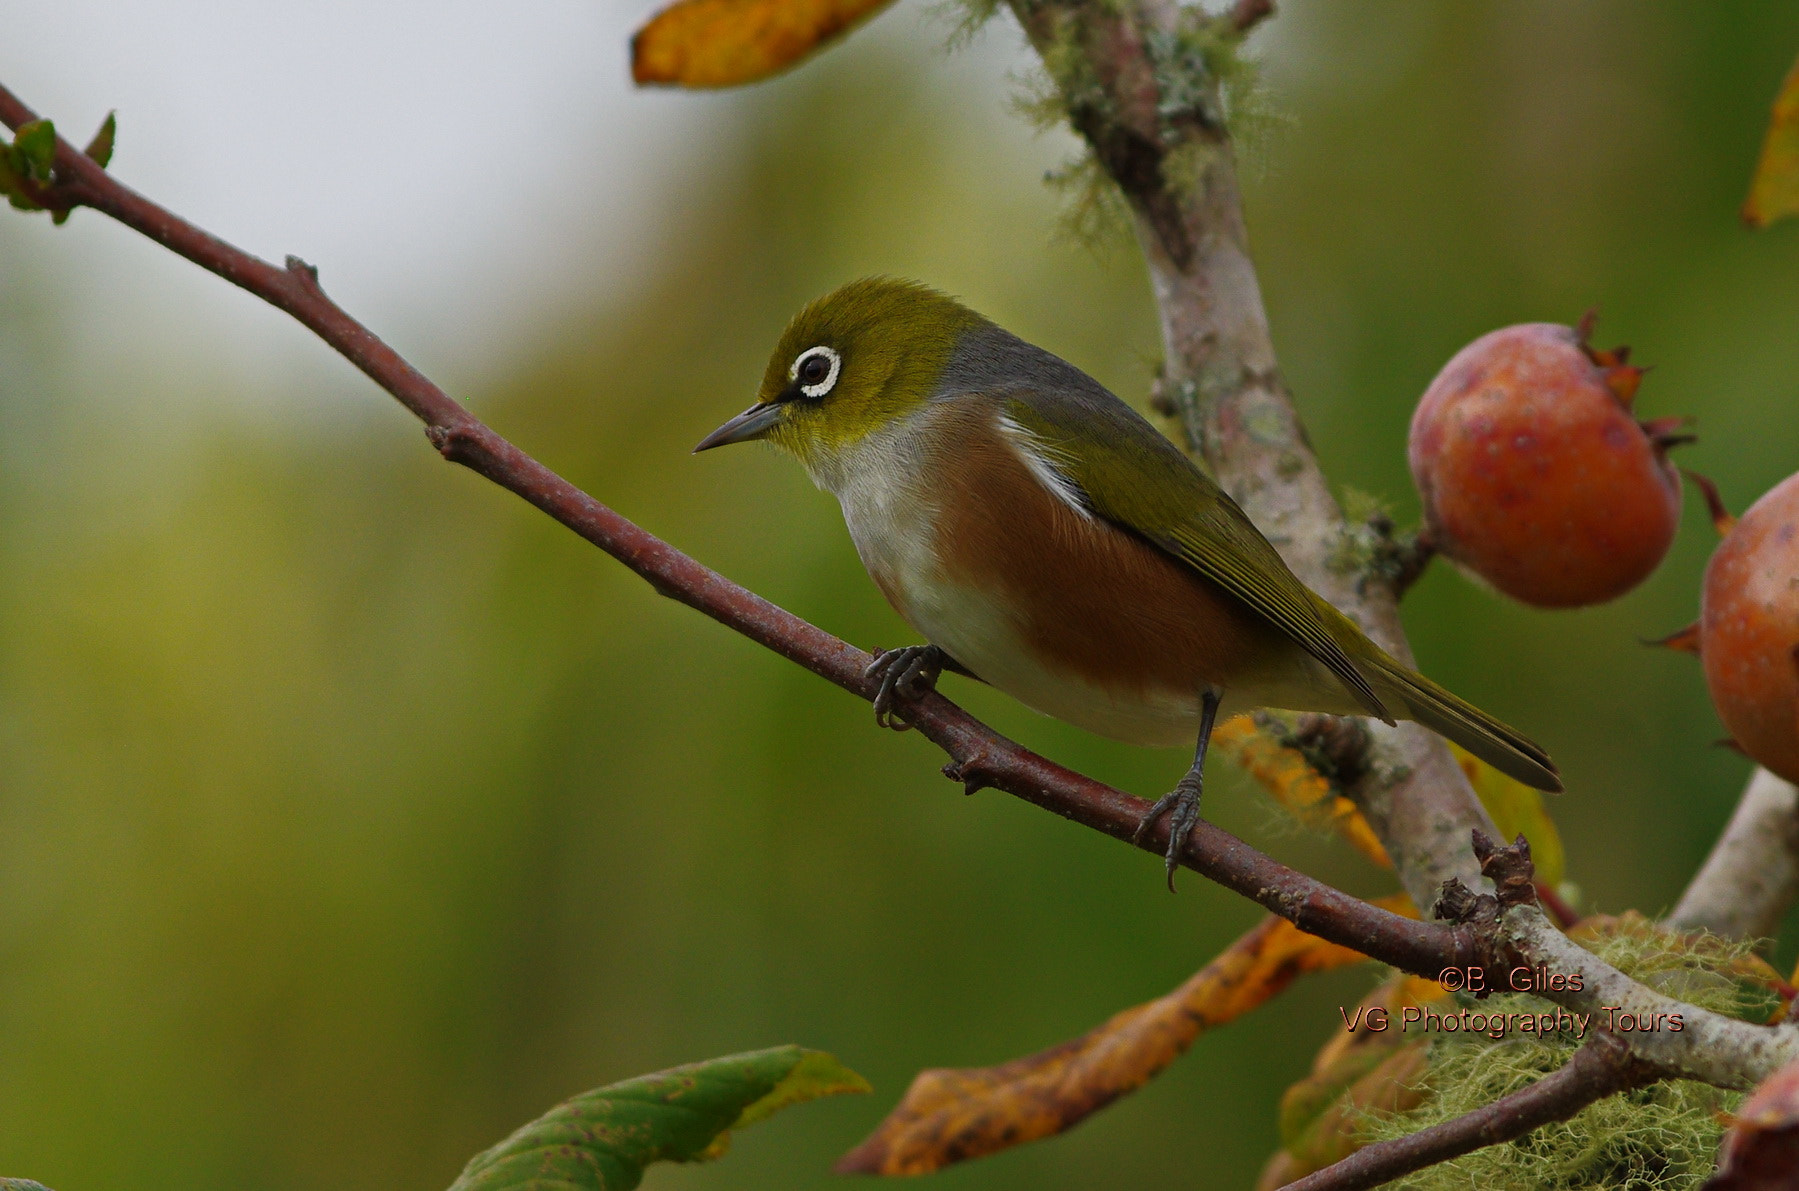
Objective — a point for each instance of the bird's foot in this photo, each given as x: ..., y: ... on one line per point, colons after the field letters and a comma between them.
x: 907, y: 673
x: 1183, y: 800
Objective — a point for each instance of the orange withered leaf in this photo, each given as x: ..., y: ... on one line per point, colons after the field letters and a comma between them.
x: 949, y: 1115
x: 1774, y: 191
x: 725, y: 43
x: 1293, y: 781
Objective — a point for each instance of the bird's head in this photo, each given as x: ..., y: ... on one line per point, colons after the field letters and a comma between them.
x: 851, y: 363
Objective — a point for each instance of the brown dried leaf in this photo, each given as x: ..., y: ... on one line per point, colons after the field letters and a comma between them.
x: 725, y: 43
x: 1774, y: 191
x: 1761, y: 1151
x: 949, y: 1115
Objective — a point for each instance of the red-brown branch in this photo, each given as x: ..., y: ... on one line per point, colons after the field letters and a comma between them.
x: 1599, y: 1069
x: 979, y: 756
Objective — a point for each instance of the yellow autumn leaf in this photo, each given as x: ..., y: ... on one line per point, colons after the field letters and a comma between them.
x: 725, y: 43
x: 1774, y: 191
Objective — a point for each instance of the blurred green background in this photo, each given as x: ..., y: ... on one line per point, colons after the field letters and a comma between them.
x: 351, y: 812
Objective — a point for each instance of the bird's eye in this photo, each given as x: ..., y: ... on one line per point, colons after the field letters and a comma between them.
x: 816, y: 370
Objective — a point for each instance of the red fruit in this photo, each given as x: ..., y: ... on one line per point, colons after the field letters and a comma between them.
x: 1534, y: 474
x: 1749, y: 630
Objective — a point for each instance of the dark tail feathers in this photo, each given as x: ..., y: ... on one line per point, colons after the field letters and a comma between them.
x: 1502, y: 747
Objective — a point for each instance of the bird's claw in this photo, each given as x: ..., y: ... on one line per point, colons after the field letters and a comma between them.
x: 905, y: 674
x: 1183, y: 800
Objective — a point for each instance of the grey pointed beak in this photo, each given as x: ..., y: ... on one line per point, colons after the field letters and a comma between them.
x: 751, y: 423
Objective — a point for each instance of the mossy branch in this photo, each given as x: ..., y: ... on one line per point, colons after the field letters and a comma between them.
x: 1600, y: 1069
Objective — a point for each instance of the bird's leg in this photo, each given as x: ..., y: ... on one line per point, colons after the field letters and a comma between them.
x: 906, y: 673
x: 1184, y: 798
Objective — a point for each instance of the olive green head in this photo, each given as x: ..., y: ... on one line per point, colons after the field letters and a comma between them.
x: 853, y: 361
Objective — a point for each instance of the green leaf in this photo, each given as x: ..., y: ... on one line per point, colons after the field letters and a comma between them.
x: 100, y: 148
x: 30, y: 156
x: 34, y: 148
x: 602, y: 1140
x: 9, y: 181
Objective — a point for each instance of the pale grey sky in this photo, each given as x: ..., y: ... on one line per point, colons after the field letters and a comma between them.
x: 450, y: 165
x: 454, y: 167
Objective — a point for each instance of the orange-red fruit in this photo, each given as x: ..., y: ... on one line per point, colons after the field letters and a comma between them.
x: 1749, y: 630
x: 1534, y: 474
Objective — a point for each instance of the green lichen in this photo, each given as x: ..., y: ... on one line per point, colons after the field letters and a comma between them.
x: 966, y: 18
x: 1660, y: 1138
x: 1371, y: 547
x: 1207, y: 91
x: 1204, y: 77
x: 1193, y: 65
x: 1069, y: 65
x: 1360, y: 506
x: 1184, y: 167
x: 1095, y: 214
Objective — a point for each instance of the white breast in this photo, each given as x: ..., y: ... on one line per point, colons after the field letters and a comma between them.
x: 891, y: 516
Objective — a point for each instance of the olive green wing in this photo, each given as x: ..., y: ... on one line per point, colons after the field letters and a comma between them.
x: 1125, y: 472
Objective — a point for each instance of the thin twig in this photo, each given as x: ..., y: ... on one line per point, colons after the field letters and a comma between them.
x: 979, y: 755
x: 1601, y: 1068
x: 1673, y: 1037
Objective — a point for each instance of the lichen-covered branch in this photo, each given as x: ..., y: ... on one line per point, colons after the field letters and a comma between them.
x: 1143, y: 81
x: 1708, y: 1046
x: 1601, y: 1068
x: 1676, y: 1038
x: 1752, y: 874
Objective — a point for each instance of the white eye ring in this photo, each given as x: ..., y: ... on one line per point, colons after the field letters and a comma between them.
x: 824, y: 386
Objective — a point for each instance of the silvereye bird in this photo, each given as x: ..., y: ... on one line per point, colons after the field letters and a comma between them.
x: 1046, y: 539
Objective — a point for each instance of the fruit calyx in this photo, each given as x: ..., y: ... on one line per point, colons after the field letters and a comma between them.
x: 1723, y: 520
x: 1669, y: 432
x: 1621, y: 376
x: 1681, y: 641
